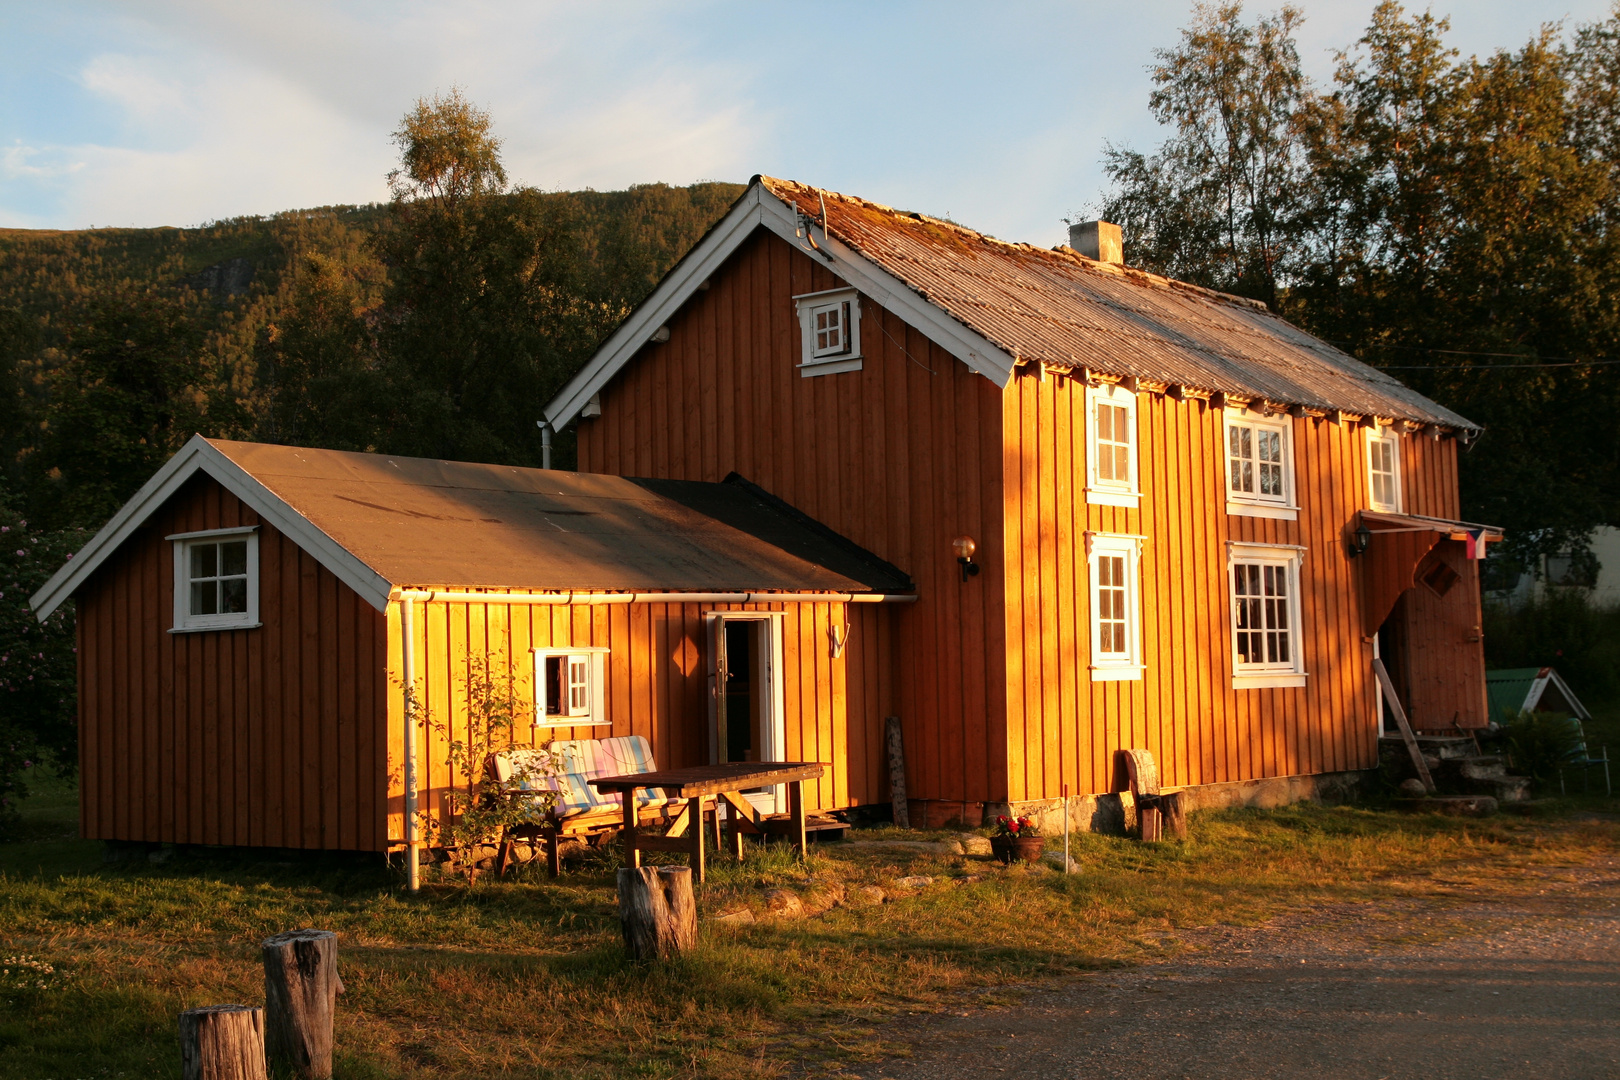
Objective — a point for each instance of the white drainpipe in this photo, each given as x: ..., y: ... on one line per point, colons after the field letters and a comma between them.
x: 407, y: 624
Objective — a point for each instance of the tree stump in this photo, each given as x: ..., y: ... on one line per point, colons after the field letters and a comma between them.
x: 301, y: 986
x: 222, y: 1042
x: 1174, y: 808
x: 657, y: 911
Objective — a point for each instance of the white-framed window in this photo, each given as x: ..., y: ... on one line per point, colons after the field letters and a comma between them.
x: 1259, y: 467
x: 1384, y: 470
x: 1116, y: 606
x: 830, y: 324
x: 1264, y: 594
x: 216, y: 579
x: 568, y: 685
x: 1111, y: 424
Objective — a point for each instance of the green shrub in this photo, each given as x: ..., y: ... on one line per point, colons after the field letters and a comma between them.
x: 1537, y: 743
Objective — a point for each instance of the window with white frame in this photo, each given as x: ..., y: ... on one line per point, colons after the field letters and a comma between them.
x: 568, y: 687
x: 216, y: 579
x: 830, y: 323
x: 1259, y: 465
x: 1116, y: 606
x: 1111, y: 418
x: 1265, y: 616
x: 1384, y: 470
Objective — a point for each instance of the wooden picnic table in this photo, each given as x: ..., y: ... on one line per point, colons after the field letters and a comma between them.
x: 719, y: 784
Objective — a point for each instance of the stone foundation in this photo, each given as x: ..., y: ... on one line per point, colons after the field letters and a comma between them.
x: 1117, y: 813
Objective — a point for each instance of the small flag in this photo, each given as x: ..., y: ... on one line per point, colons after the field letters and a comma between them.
x: 1475, y: 539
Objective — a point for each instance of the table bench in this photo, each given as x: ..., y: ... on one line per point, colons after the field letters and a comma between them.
x: 700, y: 787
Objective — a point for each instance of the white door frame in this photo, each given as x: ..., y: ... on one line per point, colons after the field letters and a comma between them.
x: 774, y: 731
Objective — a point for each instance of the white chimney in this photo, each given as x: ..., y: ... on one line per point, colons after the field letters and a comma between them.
x: 1100, y: 240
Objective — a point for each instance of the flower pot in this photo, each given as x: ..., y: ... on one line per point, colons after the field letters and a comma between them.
x: 1023, y: 848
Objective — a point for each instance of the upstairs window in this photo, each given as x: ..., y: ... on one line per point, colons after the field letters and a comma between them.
x: 216, y: 579
x: 1111, y: 418
x: 568, y: 687
x: 831, y: 329
x: 1265, y: 616
x: 1259, y: 467
x: 1384, y: 470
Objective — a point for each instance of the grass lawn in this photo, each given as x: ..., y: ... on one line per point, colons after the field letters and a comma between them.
x: 526, y: 977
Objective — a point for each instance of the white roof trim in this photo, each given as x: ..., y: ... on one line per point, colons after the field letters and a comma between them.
x: 199, y: 455
x: 758, y: 206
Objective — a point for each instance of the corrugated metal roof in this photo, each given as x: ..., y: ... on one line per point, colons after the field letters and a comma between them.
x: 1059, y: 308
x: 422, y: 522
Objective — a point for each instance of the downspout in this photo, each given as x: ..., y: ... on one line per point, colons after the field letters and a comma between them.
x: 407, y: 623
x: 545, y: 443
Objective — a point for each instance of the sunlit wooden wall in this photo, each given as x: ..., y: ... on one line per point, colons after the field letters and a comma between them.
x: 269, y: 737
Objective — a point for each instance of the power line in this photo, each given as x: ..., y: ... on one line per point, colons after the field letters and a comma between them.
x: 1549, y: 362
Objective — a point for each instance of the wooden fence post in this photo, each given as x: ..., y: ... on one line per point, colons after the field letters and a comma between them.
x: 897, y: 771
x: 222, y: 1042
x: 301, y: 986
x: 657, y: 911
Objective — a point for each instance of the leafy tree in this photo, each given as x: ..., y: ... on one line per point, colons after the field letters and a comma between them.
x: 1449, y: 219
x: 38, y: 669
x: 482, y: 320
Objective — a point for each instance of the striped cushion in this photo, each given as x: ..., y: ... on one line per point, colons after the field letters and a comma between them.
x: 578, y: 761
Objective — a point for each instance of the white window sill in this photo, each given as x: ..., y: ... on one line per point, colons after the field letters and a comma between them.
x: 215, y: 626
x: 1268, y: 680
x: 1102, y: 497
x: 1116, y: 672
x: 575, y: 721
x: 1274, y: 511
x: 830, y: 367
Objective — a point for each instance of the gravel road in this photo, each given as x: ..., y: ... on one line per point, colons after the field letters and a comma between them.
x: 1521, y: 986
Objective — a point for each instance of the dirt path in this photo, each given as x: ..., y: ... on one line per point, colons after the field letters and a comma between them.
x: 1521, y: 986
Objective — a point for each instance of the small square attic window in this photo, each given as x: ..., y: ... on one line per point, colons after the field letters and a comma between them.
x: 830, y: 323
x: 216, y: 579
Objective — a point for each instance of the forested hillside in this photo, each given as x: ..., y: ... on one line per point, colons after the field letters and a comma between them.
x: 117, y: 344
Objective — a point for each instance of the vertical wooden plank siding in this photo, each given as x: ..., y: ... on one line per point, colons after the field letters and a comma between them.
x: 1185, y: 710
x: 914, y: 432
x: 991, y: 677
x: 260, y: 736
x: 659, y: 692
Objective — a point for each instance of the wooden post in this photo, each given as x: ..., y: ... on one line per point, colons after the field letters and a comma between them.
x: 694, y: 809
x: 632, y: 854
x: 796, y: 811
x: 657, y: 912
x: 301, y: 986
x: 897, y: 771
x: 1148, y: 817
x: 222, y: 1042
x: 1174, y: 806
x: 1406, y: 729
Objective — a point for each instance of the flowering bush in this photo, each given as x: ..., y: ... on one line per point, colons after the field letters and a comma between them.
x: 20, y: 973
x: 1015, y: 827
x: 38, y: 666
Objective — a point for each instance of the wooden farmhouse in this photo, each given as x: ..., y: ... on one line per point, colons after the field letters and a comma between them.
x: 845, y: 463
x: 1165, y: 489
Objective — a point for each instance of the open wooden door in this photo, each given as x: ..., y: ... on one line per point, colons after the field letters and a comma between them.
x: 747, y: 717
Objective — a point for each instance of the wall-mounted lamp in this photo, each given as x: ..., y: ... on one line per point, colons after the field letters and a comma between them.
x: 1360, y: 540
x: 965, y: 547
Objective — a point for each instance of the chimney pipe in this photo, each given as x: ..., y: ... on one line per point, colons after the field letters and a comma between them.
x: 1100, y: 240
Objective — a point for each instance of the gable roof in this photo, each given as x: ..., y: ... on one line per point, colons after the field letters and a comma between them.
x: 380, y: 522
x: 996, y: 305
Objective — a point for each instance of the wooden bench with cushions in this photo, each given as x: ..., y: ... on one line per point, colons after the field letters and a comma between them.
x: 580, y: 811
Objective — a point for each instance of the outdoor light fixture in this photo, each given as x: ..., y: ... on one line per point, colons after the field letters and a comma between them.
x: 965, y: 547
x: 1359, y: 542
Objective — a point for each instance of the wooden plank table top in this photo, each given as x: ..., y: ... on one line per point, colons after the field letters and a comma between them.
x: 712, y: 779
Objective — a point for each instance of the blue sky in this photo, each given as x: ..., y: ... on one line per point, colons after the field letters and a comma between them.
x: 176, y: 113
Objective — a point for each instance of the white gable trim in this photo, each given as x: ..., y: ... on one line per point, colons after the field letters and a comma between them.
x: 199, y: 455
x: 759, y: 207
